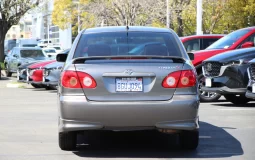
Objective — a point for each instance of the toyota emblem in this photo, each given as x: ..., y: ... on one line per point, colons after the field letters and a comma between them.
x: 128, y: 71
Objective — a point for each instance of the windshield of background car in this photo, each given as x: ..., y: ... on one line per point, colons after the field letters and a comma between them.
x: 57, y: 48
x: 49, y: 51
x: 127, y: 44
x: 228, y: 40
x: 31, y: 53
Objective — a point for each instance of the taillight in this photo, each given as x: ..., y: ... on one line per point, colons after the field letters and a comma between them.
x: 76, y: 79
x: 180, y: 79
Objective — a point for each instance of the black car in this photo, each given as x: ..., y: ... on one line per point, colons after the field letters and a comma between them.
x: 22, y: 72
x: 227, y: 75
x: 250, y: 93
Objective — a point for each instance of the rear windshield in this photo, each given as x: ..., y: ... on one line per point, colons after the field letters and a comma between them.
x: 50, y: 51
x: 228, y: 40
x: 127, y: 44
x: 31, y: 53
x: 57, y: 48
x: 29, y: 45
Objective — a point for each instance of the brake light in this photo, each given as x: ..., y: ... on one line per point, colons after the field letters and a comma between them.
x: 180, y: 79
x: 76, y: 79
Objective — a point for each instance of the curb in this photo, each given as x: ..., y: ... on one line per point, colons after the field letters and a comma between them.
x: 10, y: 85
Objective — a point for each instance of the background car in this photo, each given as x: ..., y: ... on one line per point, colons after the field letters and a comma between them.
x: 58, y: 48
x: 35, y: 73
x: 22, y: 71
x: 9, y: 45
x: 20, y: 56
x: 52, y: 71
x: 104, y: 88
x: 50, y: 52
x: 199, y: 42
x: 44, y: 43
x: 242, y: 38
x: 227, y: 75
x: 250, y: 93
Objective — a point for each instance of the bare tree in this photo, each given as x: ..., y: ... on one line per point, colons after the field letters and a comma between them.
x: 11, y: 11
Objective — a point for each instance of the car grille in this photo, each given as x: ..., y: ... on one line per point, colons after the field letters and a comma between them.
x: 252, y: 71
x: 212, y: 69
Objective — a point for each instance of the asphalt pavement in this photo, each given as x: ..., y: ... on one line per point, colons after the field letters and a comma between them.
x: 28, y: 131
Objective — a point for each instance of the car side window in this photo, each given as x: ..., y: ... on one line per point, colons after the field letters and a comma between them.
x: 206, y: 42
x: 251, y: 38
x: 192, y: 45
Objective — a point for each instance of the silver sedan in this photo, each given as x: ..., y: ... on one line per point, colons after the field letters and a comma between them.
x: 126, y: 79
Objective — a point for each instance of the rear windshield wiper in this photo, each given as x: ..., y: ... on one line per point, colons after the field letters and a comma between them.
x: 81, y: 60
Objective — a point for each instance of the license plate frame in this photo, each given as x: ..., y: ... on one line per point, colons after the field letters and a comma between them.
x: 129, y: 80
x: 208, y: 82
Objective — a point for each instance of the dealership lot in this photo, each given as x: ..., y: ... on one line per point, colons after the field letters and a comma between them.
x: 28, y: 130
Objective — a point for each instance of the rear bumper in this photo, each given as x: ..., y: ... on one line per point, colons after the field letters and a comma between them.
x: 224, y: 90
x: 50, y: 83
x: 179, y: 113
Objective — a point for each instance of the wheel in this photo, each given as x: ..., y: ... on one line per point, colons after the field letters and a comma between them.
x: 67, y: 140
x: 206, y: 96
x: 8, y: 73
x: 36, y: 85
x: 236, y: 99
x: 189, y: 139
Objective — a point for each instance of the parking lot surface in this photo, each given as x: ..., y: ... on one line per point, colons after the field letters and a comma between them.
x: 28, y: 131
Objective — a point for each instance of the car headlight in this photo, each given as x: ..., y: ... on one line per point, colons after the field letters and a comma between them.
x: 31, y: 72
x: 236, y: 62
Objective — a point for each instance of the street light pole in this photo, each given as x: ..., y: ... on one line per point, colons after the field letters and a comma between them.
x: 199, y: 16
x: 79, y: 17
x: 167, y: 14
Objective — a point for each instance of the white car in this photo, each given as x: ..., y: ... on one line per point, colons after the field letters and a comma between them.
x: 44, y: 43
x: 58, y: 48
x: 51, y: 52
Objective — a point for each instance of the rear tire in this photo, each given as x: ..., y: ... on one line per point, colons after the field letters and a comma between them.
x: 189, y: 139
x: 67, y: 140
x: 206, y: 96
x: 8, y: 73
x: 36, y: 85
x: 235, y: 99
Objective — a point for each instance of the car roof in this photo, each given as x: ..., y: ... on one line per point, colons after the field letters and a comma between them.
x: 125, y: 28
x: 28, y: 48
x: 204, y: 35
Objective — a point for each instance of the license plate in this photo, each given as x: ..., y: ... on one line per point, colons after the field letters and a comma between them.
x: 253, y: 88
x: 129, y: 84
x: 208, y: 82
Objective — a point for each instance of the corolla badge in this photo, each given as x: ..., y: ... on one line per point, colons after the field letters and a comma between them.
x: 128, y: 71
x: 209, y: 67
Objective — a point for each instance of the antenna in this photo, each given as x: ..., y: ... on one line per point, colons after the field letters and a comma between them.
x: 127, y: 24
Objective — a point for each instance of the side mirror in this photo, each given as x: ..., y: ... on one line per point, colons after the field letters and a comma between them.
x: 247, y: 45
x: 191, y: 56
x: 61, y: 57
x: 16, y: 56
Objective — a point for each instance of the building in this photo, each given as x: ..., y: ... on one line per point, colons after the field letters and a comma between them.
x: 45, y: 29
x: 38, y: 24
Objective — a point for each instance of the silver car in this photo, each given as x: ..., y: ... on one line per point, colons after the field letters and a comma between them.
x: 126, y: 79
x: 20, y: 56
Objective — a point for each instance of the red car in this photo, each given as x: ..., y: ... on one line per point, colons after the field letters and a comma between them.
x: 242, y: 38
x: 35, y: 73
x: 199, y: 42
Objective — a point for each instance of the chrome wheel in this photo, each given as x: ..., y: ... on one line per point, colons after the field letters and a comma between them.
x: 206, y: 96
